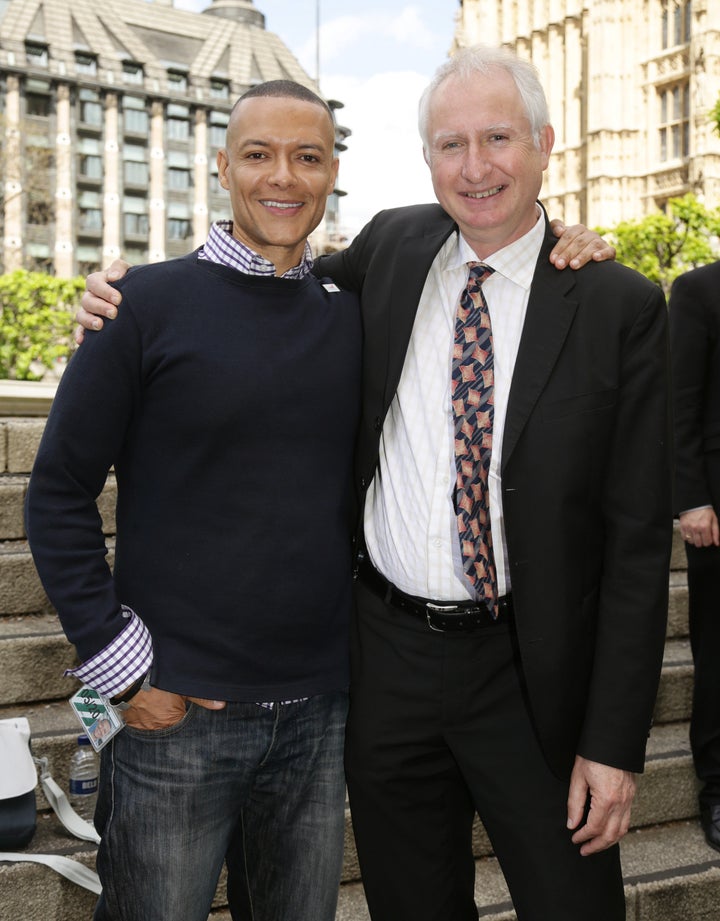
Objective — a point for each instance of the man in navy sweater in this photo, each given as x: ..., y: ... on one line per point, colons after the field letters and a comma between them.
x: 226, y: 397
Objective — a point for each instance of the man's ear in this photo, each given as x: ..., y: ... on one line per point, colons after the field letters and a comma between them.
x: 547, y: 142
x: 222, y: 165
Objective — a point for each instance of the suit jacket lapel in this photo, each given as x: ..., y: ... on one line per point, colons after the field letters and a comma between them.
x: 550, y: 313
x: 410, y: 266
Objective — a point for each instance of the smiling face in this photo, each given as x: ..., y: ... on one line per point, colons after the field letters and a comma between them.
x: 279, y: 169
x: 486, y: 168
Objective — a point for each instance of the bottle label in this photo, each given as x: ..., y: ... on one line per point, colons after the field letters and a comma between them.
x: 85, y: 787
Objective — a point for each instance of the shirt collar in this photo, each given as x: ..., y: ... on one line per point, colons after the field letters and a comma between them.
x: 516, y: 261
x: 223, y: 248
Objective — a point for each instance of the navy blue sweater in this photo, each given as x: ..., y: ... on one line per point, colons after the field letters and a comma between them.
x: 228, y: 404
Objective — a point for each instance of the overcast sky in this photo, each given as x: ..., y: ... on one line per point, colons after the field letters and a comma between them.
x: 376, y: 57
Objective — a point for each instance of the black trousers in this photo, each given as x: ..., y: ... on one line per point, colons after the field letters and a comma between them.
x: 704, y: 614
x: 439, y: 729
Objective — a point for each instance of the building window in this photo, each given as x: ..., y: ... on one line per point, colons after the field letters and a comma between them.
x: 135, y: 116
x: 91, y: 110
x: 136, y: 225
x: 40, y: 208
x: 676, y: 22
x: 136, y: 173
x: 38, y: 101
x: 179, y: 170
x: 177, y: 129
x: 674, y: 123
x: 89, y: 212
x: 177, y: 81
x: 89, y: 159
x: 135, y: 165
x: 37, y: 55
x: 178, y: 122
x: 85, y: 63
x: 179, y: 228
x: 179, y: 180
x: 90, y: 167
x: 219, y: 89
x: 39, y: 258
x: 135, y: 217
x: 132, y: 72
x: 36, y: 104
x: 218, y: 128
x: 89, y: 258
x: 179, y: 223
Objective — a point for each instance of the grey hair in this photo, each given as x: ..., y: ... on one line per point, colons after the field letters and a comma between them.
x: 477, y: 62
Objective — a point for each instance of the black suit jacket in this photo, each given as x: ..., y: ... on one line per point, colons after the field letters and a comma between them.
x: 695, y: 347
x: 585, y: 469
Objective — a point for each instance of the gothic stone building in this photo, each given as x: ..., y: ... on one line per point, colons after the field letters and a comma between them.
x: 631, y: 86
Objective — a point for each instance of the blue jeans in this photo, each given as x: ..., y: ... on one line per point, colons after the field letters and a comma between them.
x: 262, y: 790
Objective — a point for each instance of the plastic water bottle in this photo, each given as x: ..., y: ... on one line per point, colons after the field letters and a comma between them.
x: 84, y: 779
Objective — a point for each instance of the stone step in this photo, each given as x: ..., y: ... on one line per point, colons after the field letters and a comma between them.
x: 677, y: 624
x: 674, y: 700
x: 670, y: 875
x: 666, y: 793
x: 34, y: 655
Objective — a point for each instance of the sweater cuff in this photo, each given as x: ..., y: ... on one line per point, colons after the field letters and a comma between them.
x: 122, y: 662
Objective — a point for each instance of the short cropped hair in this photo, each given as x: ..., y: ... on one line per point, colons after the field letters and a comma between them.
x: 285, y: 89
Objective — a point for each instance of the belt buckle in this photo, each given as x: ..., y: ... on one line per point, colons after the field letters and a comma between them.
x: 438, y: 609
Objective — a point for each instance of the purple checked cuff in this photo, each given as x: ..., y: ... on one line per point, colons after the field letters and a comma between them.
x: 121, y: 662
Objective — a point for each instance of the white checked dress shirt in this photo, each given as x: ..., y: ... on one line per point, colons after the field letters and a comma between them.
x: 410, y: 526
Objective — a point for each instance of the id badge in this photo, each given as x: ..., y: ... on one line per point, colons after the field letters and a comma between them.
x: 99, y: 719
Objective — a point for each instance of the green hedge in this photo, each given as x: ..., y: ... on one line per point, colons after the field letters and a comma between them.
x: 36, y: 322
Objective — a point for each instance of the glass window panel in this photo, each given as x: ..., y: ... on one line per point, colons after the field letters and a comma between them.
x: 135, y: 152
x: 90, y: 219
x: 179, y: 159
x: 136, y: 173
x: 177, y: 82
x: 134, y: 204
x: 37, y: 105
x: 219, y: 89
x: 88, y: 146
x: 85, y: 63
x: 91, y: 167
x: 136, y: 121
x: 179, y: 229
x: 136, y: 224
x: 132, y: 72
x: 91, y: 113
x: 178, y: 130
x: 178, y: 179
x: 88, y: 199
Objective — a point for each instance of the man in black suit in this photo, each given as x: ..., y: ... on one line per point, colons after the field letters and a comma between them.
x: 531, y: 706
x: 527, y: 695
x: 695, y: 349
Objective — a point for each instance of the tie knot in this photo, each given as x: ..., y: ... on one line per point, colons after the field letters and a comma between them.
x: 479, y: 272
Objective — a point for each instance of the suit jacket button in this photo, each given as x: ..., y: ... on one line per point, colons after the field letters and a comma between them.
x: 378, y: 424
x: 363, y: 483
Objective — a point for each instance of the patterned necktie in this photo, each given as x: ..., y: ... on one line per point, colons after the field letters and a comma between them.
x: 472, y: 401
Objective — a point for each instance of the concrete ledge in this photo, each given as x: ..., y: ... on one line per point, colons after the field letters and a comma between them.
x: 26, y: 398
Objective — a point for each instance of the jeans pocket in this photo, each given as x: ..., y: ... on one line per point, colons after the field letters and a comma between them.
x: 165, y: 731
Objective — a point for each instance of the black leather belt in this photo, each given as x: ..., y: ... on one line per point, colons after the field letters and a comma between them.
x: 443, y: 616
